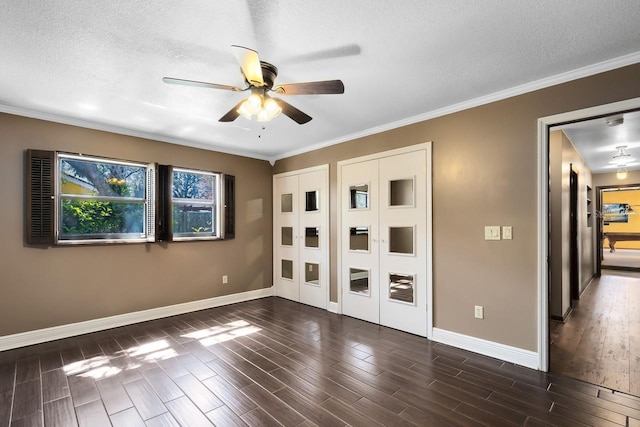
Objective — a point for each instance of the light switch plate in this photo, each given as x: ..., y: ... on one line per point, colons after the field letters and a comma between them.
x: 479, y: 312
x: 492, y: 232
x: 507, y: 232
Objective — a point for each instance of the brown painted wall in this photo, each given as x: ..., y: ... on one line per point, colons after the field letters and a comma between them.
x: 484, y: 173
x: 43, y: 287
x: 562, y: 158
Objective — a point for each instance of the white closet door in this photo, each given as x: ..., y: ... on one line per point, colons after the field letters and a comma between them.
x: 313, y: 238
x: 360, y: 263
x: 403, y: 242
x: 287, y: 237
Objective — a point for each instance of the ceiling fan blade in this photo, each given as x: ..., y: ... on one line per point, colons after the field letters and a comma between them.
x: 311, y: 88
x: 250, y: 64
x: 232, y: 114
x: 173, y: 81
x: 295, y: 114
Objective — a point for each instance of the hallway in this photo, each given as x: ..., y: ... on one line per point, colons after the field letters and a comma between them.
x: 600, y: 342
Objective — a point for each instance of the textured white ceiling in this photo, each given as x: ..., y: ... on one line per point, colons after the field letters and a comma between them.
x: 101, y: 63
x: 597, y: 143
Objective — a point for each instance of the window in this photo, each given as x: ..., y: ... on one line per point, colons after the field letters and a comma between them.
x: 73, y: 199
x: 103, y: 200
x: 195, y: 209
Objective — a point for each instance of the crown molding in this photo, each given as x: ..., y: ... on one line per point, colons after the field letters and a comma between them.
x: 589, y: 70
x: 88, y: 124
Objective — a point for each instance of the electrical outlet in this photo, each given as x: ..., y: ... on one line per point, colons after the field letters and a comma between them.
x: 479, y: 312
x: 225, y: 279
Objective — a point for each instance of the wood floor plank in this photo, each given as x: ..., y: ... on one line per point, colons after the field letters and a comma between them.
x: 310, y: 410
x: 83, y: 389
x: 348, y: 414
x: 259, y: 417
x: 187, y: 414
x: 196, y: 367
x: 127, y: 418
x: 233, y: 376
x: 28, y: 369
x: 381, y: 414
x: 223, y: 416
x: 27, y: 399
x: 164, y: 387
x: 54, y: 385
x: 483, y: 416
x: 203, y: 398
x: 365, y: 390
x: 588, y: 419
x: 50, y: 360
x: 6, y: 402
x: 60, y: 413
x: 229, y: 395
x: 92, y: 414
x: 114, y: 396
x: 481, y: 403
x: 144, y: 398
x: 274, y: 406
x: 306, y: 389
x: 33, y: 420
x: 162, y: 420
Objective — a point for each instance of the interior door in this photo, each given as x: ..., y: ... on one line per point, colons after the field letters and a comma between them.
x: 360, y: 246
x: 403, y: 242
x: 313, y: 238
x: 287, y: 236
x: 574, y: 277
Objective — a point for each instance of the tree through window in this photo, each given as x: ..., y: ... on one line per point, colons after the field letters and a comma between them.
x: 102, y: 199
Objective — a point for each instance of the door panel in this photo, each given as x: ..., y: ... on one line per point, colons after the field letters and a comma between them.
x: 403, y: 244
x: 359, y: 192
x: 287, y: 237
x: 313, y: 238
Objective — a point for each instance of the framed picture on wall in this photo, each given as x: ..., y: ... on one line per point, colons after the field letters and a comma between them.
x: 615, y: 212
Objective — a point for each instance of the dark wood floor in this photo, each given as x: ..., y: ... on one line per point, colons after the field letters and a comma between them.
x: 600, y: 342
x: 275, y: 362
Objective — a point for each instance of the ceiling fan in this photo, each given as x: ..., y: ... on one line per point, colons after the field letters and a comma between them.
x: 260, y: 77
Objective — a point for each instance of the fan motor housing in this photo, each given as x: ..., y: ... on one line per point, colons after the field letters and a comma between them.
x: 269, y: 73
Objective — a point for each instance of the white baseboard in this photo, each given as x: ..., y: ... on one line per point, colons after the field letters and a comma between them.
x: 333, y: 307
x: 504, y: 352
x: 38, y: 336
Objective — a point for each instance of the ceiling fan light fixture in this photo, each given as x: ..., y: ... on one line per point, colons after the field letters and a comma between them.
x: 263, y: 116
x: 272, y: 108
x: 243, y: 111
x: 253, y: 103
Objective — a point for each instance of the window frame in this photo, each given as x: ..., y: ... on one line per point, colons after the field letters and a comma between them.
x: 43, y: 204
x: 217, y: 203
x: 147, y: 202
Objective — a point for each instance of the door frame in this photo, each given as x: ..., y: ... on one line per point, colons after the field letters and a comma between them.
x: 544, y: 123
x: 429, y: 215
x: 600, y: 226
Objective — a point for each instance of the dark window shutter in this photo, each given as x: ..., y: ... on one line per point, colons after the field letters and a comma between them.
x: 164, y: 211
x: 229, y: 206
x: 40, y: 197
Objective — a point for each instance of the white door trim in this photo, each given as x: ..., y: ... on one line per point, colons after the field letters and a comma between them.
x: 543, y: 220
x: 423, y: 146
